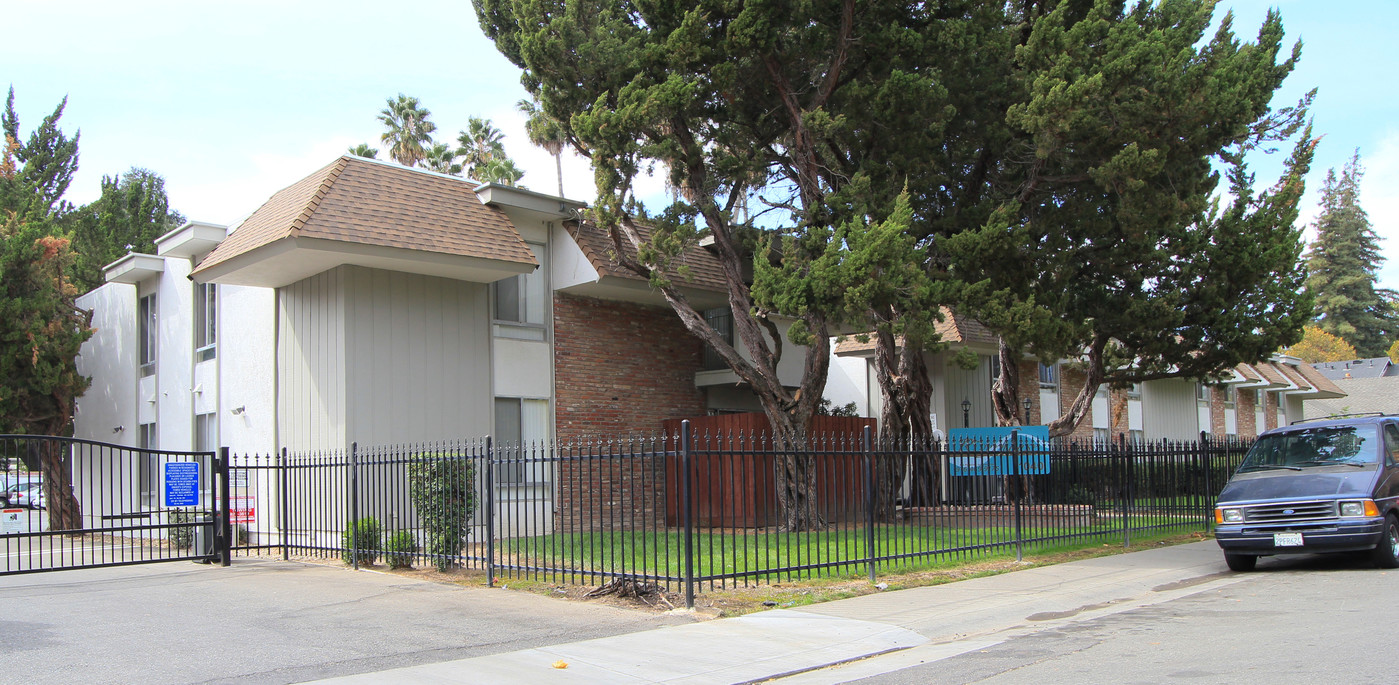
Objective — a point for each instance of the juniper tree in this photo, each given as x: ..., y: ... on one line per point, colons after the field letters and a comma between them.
x: 132, y: 211
x: 815, y: 113
x: 1343, y: 263
x: 1110, y: 246
x: 41, y: 328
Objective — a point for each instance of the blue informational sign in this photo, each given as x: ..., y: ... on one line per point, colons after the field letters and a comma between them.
x: 181, y: 483
x: 987, y: 451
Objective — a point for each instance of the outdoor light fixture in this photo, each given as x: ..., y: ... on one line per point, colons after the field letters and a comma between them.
x: 238, y: 410
x: 118, y: 429
x: 966, y: 413
x: 1027, y: 411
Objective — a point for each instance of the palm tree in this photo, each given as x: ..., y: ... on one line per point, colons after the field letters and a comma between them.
x: 546, y: 132
x: 408, y: 129
x: 363, y: 150
x: 481, y: 142
x: 442, y: 159
x: 500, y: 170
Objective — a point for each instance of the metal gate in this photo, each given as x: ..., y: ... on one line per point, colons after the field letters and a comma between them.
x: 70, y: 503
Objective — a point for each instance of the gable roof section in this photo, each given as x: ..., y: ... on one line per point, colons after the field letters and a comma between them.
x: 358, y: 206
x: 706, y: 271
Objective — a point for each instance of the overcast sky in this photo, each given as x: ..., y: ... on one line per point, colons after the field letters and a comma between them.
x: 232, y: 101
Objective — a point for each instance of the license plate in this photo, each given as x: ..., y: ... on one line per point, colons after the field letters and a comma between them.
x: 1287, y: 539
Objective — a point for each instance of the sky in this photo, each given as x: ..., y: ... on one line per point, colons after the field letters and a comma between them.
x: 231, y: 102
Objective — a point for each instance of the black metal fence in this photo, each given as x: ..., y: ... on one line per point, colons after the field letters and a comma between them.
x: 70, y: 503
x: 699, y: 512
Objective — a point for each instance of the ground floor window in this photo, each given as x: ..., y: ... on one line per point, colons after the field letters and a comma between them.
x: 521, y: 429
x: 148, y: 465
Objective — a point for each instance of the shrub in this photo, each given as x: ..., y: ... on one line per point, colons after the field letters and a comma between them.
x: 443, y: 488
x: 364, y: 537
x: 181, y: 537
x: 400, y: 548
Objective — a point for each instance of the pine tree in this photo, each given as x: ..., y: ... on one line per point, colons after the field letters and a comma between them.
x: 1343, y: 263
x: 131, y: 213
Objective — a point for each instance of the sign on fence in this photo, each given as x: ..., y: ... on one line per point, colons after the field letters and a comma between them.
x: 11, y: 521
x: 242, y: 508
x: 989, y: 451
x: 181, y: 483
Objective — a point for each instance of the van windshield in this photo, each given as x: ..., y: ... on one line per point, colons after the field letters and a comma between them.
x: 1353, y: 445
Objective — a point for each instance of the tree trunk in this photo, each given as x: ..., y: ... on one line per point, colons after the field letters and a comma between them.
x: 1005, y: 399
x: 795, y: 474
x: 1092, y: 378
x: 65, y: 514
x: 906, y: 392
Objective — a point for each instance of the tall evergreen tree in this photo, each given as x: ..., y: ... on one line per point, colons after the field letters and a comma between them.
x: 41, y: 328
x: 131, y: 213
x: 1343, y: 263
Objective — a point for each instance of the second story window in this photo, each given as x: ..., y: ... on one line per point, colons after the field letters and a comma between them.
x: 146, y: 333
x: 206, y: 310
x: 1049, y: 377
x: 523, y: 299
x: 721, y: 319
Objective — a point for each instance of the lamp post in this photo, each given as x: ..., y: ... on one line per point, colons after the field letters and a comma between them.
x: 1027, y: 411
x: 966, y: 413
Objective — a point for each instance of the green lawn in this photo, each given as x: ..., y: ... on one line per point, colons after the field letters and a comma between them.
x: 836, y: 551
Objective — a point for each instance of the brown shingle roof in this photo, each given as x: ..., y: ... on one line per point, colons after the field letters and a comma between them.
x: 706, y: 272
x: 1317, y: 380
x: 1291, y: 373
x: 355, y: 200
x: 953, y: 328
x: 1271, y: 374
x: 1248, y: 372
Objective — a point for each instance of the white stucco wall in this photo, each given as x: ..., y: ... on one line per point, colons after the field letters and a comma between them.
x: 848, y: 381
x: 107, y: 411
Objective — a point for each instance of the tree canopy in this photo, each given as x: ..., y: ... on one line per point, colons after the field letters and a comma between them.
x: 1317, y: 345
x: 131, y: 213
x: 1343, y: 263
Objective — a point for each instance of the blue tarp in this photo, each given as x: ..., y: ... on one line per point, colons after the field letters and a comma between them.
x: 990, y: 451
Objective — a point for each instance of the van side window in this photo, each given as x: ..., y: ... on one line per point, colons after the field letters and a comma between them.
x: 1391, y: 442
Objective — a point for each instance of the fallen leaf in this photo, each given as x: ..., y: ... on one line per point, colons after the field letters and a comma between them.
x: 560, y: 664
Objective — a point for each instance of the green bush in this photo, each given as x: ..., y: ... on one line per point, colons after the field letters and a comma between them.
x: 364, y: 537
x: 400, y: 548
x: 181, y: 537
x: 443, y: 488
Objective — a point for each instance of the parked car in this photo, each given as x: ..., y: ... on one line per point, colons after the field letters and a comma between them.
x: 1321, y: 486
x: 28, y: 494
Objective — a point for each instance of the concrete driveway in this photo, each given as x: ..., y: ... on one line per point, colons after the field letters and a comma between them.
x: 269, y: 622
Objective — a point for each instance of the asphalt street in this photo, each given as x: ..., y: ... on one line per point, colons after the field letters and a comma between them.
x: 1296, y: 620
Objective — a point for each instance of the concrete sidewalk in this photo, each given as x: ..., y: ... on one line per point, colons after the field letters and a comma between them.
x: 854, y: 638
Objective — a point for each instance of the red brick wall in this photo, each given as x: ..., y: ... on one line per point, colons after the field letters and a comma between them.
x: 1071, y: 383
x: 1217, y: 410
x: 1247, y: 423
x: 620, y: 369
x: 1030, y: 387
x: 1270, y: 410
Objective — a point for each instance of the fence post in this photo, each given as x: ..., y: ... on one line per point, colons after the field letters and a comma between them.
x: 283, y: 514
x: 490, y: 512
x: 354, y: 506
x: 869, y: 502
x: 687, y: 518
x: 1019, y: 489
x: 225, y: 521
x: 1207, y: 455
x: 1127, y: 481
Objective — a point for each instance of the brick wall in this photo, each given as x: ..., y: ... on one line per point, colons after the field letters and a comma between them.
x: 1030, y: 387
x: 1217, y: 410
x: 1270, y: 410
x: 620, y: 369
x: 1071, y: 382
x: 1248, y: 428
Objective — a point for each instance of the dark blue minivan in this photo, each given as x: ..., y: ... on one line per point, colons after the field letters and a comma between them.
x: 1329, y: 485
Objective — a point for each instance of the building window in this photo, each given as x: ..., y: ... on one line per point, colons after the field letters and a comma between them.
x: 1231, y: 396
x: 1203, y: 394
x: 146, y: 332
x: 1258, y: 398
x: 1049, y: 377
x: 721, y: 319
x: 523, y: 299
x: 521, y: 433
x: 148, y: 464
x: 1136, y: 436
x: 206, y: 439
x: 1101, y: 436
x: 206, y: 309
x: 1134, y: 391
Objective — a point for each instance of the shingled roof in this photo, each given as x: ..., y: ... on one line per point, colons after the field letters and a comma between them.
x: 954, y: 328
x: 362, y: 202
x: 706, y: 272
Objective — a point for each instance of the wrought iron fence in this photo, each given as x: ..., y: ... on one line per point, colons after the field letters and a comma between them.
x: 699, y: 512
x: 70, y: 503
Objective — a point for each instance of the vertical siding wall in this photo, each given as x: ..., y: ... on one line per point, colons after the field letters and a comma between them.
x: 418, y: 357
x: 1169, y: 410
x: 311, y: 363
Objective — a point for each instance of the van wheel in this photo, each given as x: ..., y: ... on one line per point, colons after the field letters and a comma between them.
x: 1386, y: 554
x: 1242, y: 563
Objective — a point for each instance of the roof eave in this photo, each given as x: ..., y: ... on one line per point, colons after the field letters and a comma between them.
x: 288, y: 260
